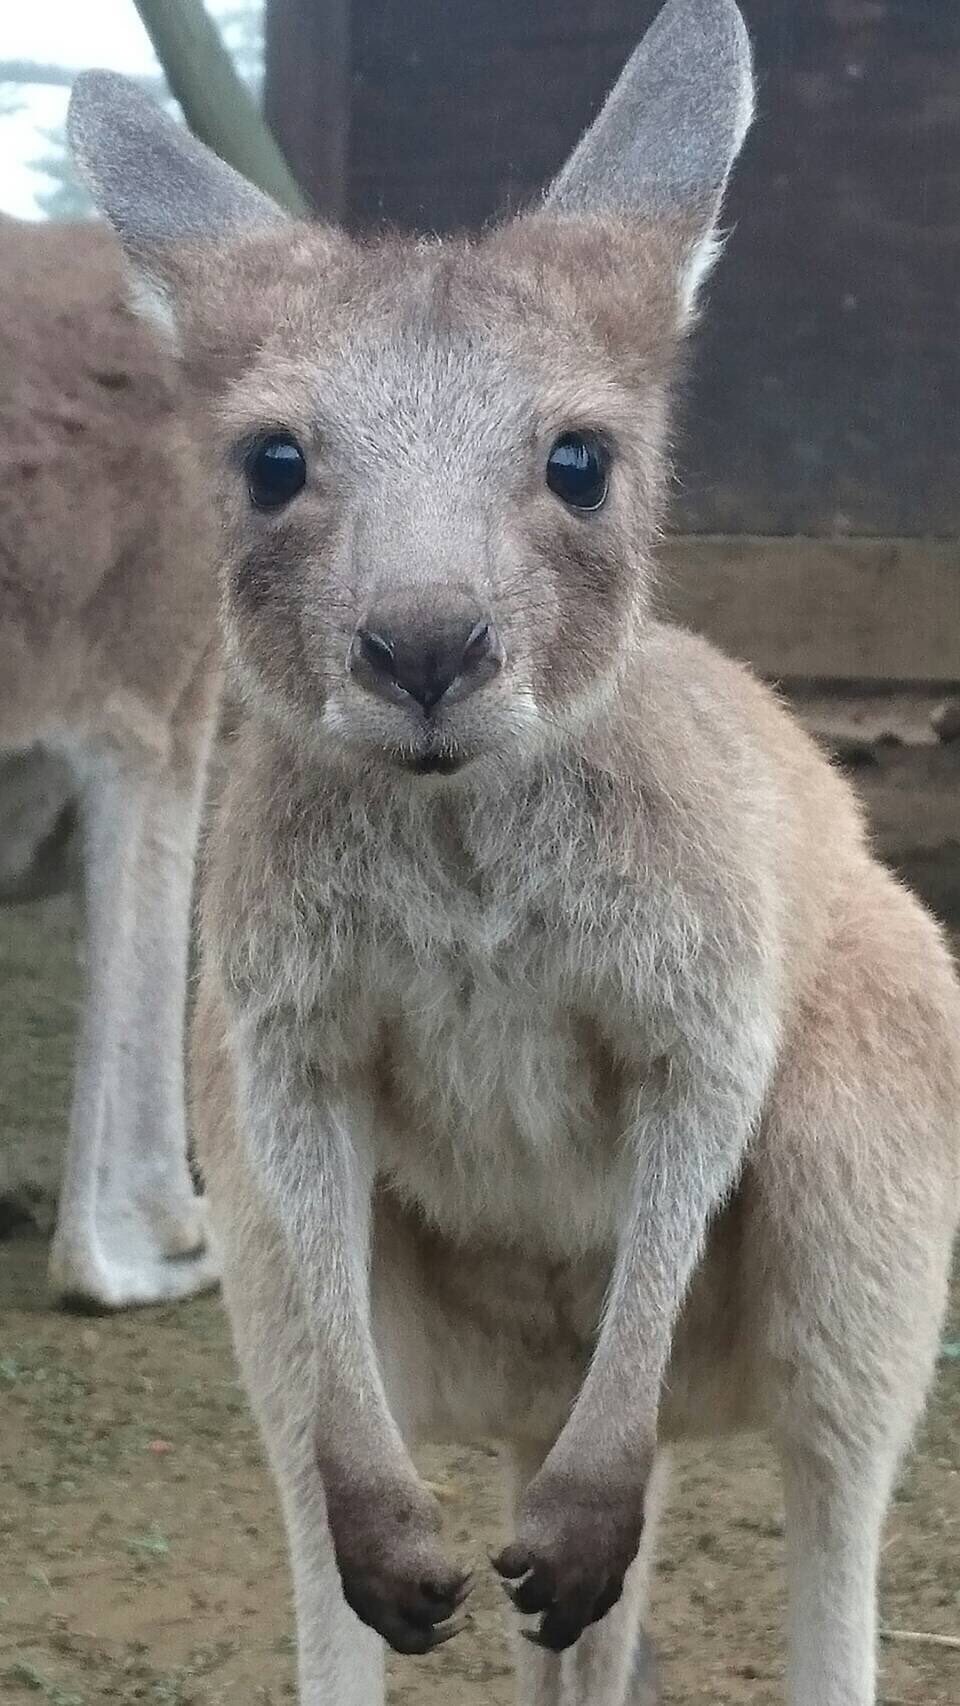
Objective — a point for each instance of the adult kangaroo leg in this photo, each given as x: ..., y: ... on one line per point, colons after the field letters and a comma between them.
x: 131, y: 1229
x: 612, y: 1664
x: 835, y: 1504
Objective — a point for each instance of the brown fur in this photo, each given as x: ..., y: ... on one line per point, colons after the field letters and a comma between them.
x: 109, y: 668
x: 108, y: 612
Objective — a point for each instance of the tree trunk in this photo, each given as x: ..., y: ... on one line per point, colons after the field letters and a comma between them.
x: 216, y: 104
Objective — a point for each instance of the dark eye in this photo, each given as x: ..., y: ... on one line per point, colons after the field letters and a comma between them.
x: 577, y: 470
x: 276, y: 470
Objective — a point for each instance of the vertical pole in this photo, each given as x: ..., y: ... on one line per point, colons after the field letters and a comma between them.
x: 307, y: 95
x: 216, y: 103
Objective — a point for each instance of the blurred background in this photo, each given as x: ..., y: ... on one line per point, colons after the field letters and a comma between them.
x: 816, y: 533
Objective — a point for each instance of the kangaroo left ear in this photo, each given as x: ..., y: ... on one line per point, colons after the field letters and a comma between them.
x: 156, y: 184
x: 666, y: 139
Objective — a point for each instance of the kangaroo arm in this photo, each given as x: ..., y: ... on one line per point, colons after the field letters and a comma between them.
x: 690, y: 1138
x: 312, y: 1153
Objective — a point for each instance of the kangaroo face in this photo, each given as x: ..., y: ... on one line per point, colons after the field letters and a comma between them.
x: 441, y: 489
x: 439, y: 465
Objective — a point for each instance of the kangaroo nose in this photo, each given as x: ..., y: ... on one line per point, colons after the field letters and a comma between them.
x: 425, y: 661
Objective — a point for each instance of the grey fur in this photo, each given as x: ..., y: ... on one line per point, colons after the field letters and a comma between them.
x: 153, y: 180
x: 673, y: 125
x: 109, y: 677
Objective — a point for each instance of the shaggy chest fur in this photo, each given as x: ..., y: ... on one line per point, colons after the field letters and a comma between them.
x: 507, y: 1016
x: 499, y: 1104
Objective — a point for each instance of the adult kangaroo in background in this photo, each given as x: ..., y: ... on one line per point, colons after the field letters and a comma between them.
x: 109, y: 677
x: 566, y: 1067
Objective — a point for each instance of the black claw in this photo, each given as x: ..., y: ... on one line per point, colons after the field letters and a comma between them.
x: 535, y: 1594
x: 414, y: 1639
x: 414, y: 1628
x: 436, y: 1608
x: 448, y: 1633
x: 410, y: 1620
x: 426, y: 1616
x: 559, y: 1628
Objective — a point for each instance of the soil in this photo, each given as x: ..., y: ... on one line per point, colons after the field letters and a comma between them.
x: 141, y: 1558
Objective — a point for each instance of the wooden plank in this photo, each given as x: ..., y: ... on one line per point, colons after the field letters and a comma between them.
x: 307, y: 94
x: 859, y: 723
x: 866, y: 610
x: 912, y: 799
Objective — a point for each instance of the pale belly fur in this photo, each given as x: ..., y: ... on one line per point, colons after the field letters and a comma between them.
x: 501, y: 1115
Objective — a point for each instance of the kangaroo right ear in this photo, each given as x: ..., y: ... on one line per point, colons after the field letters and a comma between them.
x: 156, y: 184
x: 666, y: 139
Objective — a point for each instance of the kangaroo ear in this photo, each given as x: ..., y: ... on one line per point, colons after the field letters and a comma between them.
x: 156, y: 184
x: 669, y: 132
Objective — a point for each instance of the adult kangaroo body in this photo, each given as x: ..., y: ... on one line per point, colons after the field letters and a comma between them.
x: 109, y: 679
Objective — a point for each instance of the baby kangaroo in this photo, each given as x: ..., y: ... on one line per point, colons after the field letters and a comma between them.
x: 566, y: 1068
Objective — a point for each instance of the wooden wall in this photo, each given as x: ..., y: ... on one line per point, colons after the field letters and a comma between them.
x: 827, y: 390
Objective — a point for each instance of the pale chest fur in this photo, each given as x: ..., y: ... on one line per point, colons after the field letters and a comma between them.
x: 500, y: 1103
x: 502, y: 1018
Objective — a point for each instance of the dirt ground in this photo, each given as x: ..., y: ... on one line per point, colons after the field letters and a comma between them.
x: 141, y: 1558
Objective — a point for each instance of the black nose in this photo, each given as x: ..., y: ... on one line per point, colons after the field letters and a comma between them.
x: 425, y: 660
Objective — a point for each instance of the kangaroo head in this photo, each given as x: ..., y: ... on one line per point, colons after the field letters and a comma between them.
x: 440, y: 465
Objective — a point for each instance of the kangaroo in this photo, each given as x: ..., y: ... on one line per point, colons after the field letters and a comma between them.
x: 566, y: 1068
x: 109, y: 679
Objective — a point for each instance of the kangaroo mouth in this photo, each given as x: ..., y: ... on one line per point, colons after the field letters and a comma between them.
x: 436, y: 762
x: 432, y: 752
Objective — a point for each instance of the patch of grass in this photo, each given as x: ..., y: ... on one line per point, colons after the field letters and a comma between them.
x: 175, y: 1690
x: 29, y: 1677
x: 182, y: 1686
x: 153, y: 1544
